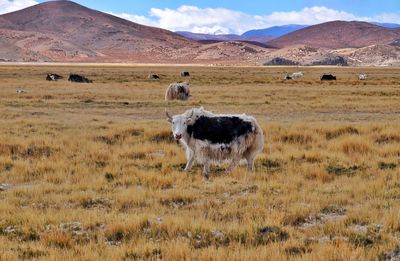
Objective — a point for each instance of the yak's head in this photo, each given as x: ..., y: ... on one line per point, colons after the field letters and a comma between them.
x: 180, y: 122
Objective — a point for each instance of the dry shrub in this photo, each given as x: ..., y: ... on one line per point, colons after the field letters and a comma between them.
x: 355, y: 146
x: 118, y: 137
x: 163, y: 136
x: 349, y: 130
x: 145, y: 253
x: 388, y: 138
x: 125, y: 231
x: 48, y: 97
x: 176, y: 201
x: 30, y: 253
x: 270, y: 234
x: 32, y: 151
x: 296, y: 138
x: 10, y: 149
x: 58, y: 238
x: 296, y: 218
x: 339, y: 170
x: 135, y: 155
x: 37, y: 152
x: 296, y: 250
x: 318, y: 174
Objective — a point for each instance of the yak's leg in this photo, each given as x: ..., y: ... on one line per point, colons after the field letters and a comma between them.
x: 190, y: 159
x: 250, y: 164
x: 206, y: 168
x: 251, y: 153
x: 235, y: 161
x: 250, y: 161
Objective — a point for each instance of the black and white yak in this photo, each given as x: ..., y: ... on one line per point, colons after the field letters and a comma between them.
x: 53, y: 77
x: 212, y: 138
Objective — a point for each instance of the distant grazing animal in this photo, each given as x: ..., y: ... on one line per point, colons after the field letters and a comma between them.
x: 212, y: 138
x: 78, y: 78
x: 293, y: 76
x: 288, y: 77
x: 53, y: 77
x: 362, y: 76
x: 20, y: 91
x: 177, y: 91
x: 328, y: 77
x: 297, y: 75
x: 153, y: 76
x: 185, y: 74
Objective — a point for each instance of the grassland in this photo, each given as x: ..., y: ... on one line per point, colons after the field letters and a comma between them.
x: 89, y: 171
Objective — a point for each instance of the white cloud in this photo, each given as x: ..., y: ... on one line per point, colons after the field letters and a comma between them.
x: 140, y: 19
x: 310, y: 15
x: 7, y: 6
x: 224, y: 21
x: 388, y: 18
x: 201, y: 20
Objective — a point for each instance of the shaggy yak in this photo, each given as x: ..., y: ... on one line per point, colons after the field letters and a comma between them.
x: 177, y: 91
x: 212, y: 138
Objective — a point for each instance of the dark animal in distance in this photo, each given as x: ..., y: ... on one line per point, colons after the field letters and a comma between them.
x: 78, y: 78
x: 185, y: 74
x: 328, y: 77
x: 53, y: 77
x: 212, y: 138
x: 153, y: 76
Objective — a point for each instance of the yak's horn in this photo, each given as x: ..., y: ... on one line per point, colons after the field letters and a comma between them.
x: 167, y: 114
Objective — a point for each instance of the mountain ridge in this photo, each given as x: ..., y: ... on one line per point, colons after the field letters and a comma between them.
x: 338, y: 34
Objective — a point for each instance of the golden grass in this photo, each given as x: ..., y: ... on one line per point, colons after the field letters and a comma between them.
x: 94, y: 173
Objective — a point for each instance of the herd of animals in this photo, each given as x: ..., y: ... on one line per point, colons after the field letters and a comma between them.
x: 181, y: 91
x: 324, y: 77
x: 209, y: 138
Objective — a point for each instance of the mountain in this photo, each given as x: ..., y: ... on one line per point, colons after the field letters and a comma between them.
x: 209, y: 37
x: 373, y: 55
x: 338, y: 34
x: 64, y: 30
x: 222, y: 37
x: 275, y: 31
x: 260, y: 35
x: 304, y: 56
x: 387, y: 25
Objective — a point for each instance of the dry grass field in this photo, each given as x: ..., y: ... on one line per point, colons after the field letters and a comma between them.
x: 89, y: 171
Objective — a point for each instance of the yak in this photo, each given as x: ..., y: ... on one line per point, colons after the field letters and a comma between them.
x: 328, y: 77
x: 78, y: 78
x: 177, y: 91
x: 213, y: 138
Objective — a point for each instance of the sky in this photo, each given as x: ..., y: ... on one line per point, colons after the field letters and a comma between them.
x: 234, y: 16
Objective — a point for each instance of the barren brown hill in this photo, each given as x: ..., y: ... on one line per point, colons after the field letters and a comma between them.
x: 304, y: 56
x: 374, y: 55
x: 338, y: 34
x: 64, y: 30
x: 89, y: 28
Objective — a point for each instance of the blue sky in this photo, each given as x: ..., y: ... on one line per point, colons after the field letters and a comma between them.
x: 256, y: 7
x: 235, y: 16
